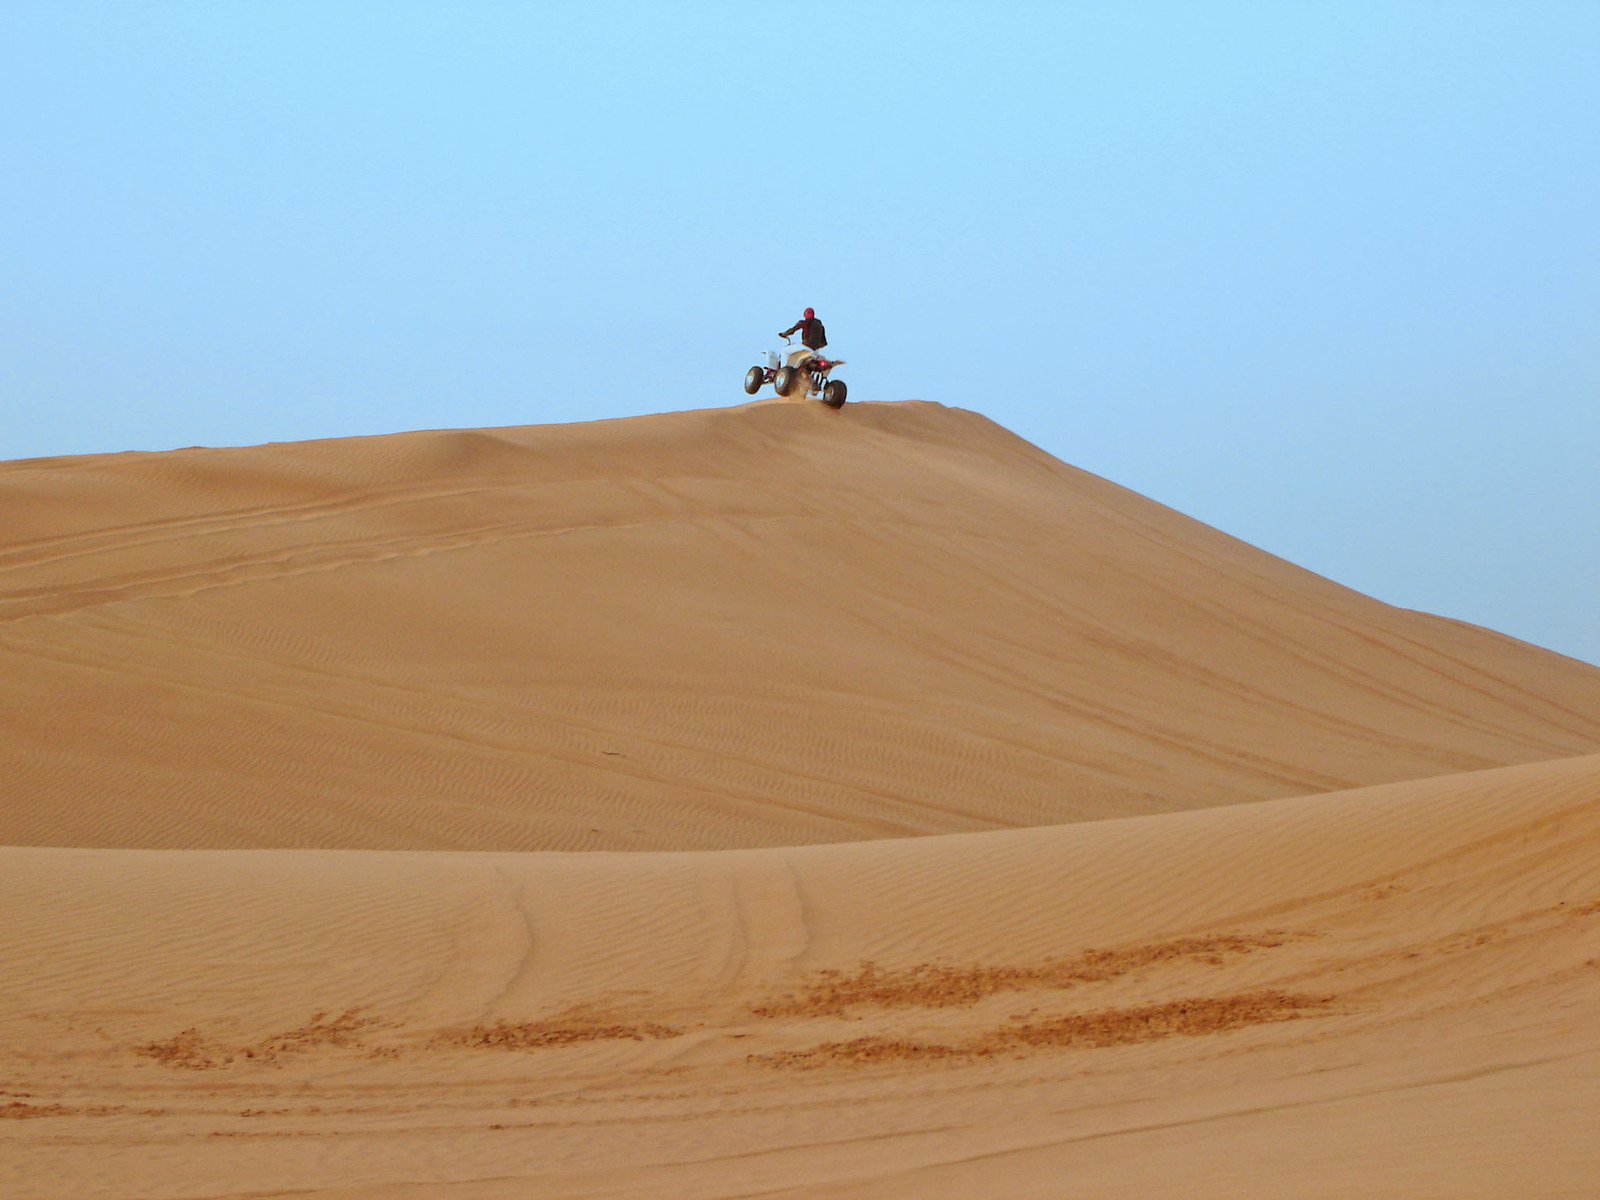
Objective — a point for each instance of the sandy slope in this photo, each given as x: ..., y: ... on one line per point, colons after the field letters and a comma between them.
x: 761, y: 626
x: 1392, y: 991
x: 525, y: 813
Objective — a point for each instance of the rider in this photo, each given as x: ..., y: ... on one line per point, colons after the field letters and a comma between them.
x: 812, y: 335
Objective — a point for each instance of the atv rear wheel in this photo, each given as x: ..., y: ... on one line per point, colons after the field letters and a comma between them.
x: 753, y: 379
x: 834, y: 393
x: 783, y: 381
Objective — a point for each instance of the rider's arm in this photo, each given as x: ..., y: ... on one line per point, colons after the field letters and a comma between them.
x: 791, y: 329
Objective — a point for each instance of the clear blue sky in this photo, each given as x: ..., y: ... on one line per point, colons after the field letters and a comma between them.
x: 1325, y: 275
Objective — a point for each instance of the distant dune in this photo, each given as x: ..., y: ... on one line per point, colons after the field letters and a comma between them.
x: 763, y: 801
x: 771, y: 625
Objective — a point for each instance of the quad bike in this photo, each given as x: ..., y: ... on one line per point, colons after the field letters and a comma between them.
x: 805, y: 368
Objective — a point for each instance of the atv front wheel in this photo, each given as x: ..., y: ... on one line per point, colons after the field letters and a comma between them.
x: 753, y: 379
x: 783, y: 381
x: 834, y: 393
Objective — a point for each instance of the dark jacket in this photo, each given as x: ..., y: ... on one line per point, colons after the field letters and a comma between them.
x: 812, y: 335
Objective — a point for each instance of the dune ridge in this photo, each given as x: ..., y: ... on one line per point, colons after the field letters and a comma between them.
x: 762, y: 626
x: 765, y: 801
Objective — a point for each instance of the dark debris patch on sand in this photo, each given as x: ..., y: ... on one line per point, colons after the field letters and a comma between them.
x: 933, y: 985
x: 537, y: 1035
x: 1194, y: 1017
x: 190, y: 1050
x: 19, y: 1110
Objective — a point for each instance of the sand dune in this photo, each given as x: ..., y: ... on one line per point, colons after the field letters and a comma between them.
x: 765, y: 801
x: 763, y: 626
x: 1329, y: 988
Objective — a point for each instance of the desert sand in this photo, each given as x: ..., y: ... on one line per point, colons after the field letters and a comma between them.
x: 765, y: 801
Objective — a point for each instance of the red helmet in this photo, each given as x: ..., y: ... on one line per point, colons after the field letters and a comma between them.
x: 810, y: 312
